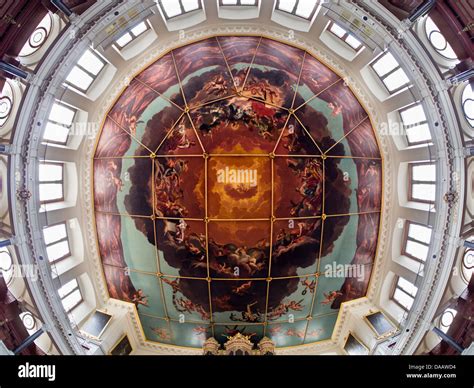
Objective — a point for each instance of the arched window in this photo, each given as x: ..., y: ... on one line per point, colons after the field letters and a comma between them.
x: 6, y: 265
x: 6, y: 103
x: 467, y: 101
x: 467, y: 265
x: 438, y: 41
x: 38, y: 37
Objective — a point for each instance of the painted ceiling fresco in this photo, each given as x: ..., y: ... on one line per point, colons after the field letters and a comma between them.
x: 237, y: 188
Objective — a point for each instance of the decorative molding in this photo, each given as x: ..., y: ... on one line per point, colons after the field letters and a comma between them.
x: 41, y: 95
x: 23, y: 171
x: 449, y: 214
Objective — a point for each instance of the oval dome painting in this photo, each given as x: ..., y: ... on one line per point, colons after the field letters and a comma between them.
x: 237, y: 188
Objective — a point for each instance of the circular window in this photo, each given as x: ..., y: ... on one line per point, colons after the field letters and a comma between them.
x: 467, y: 101
x: 447, y: 319
x: 468, y: 265
x: 38, y: 37
x: 6, y: 103
x: 28, y: 320
x: 438, y: 41
x: 6, y: 264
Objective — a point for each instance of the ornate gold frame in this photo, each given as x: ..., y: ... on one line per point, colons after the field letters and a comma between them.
x: 118, y: 341
x: 358, y: 340
x: 379, y: 336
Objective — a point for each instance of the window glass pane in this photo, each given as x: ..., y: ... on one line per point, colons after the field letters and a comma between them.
x: 468, y: 265
x: 405, y: 300
x: 171, y: 7
x: 448, y: 52
x: 437, y: 40
x: 140, y: 28
x: 50, y: 172
x: 417, y: 250
x: 248, y: 2
x: 55, y: 132
x: 406, y: 286
x: 50, y: 191
x: 385, y: 64
x: 91, y: 62
x: 229, y: 2
x: 337, y: 30
x: 423, y: 192
x: 413, y: 115
x: 72, y: 300
x: 5, y: 259
x: 287, y: 5
x: 419, y: 232
x: 418, y: 133
x: 6, y: 102
x: 29, y: 321
x: 353, y: 42
x: 67, y: 288
x: 57, y: 251
x: 468, y: 104
x: 424, y: 172
x: 305, y: 8
x: 6, y: 264
x: 395, y: 80
x: 54, y: 233
x: 124, y: 39
x: 79, y: 78
x: 61, y: 114
x: 447, y: 319
x: 37, y: 38
x: 190, y: 5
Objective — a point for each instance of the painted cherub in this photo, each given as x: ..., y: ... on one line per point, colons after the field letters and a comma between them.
x: 139, y: 298
x: 117, y: 182
x: 161, y: 333
x: 335, y: 107
x: 180, y: 231
x: 330, y: 296
x: 308, y: 286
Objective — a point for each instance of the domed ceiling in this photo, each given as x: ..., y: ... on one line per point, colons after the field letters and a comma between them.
x: 237, y: 188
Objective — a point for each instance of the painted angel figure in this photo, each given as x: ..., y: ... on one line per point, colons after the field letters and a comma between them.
x: 335, y: 107
x: 180, y: 231
x: 330, y: 296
